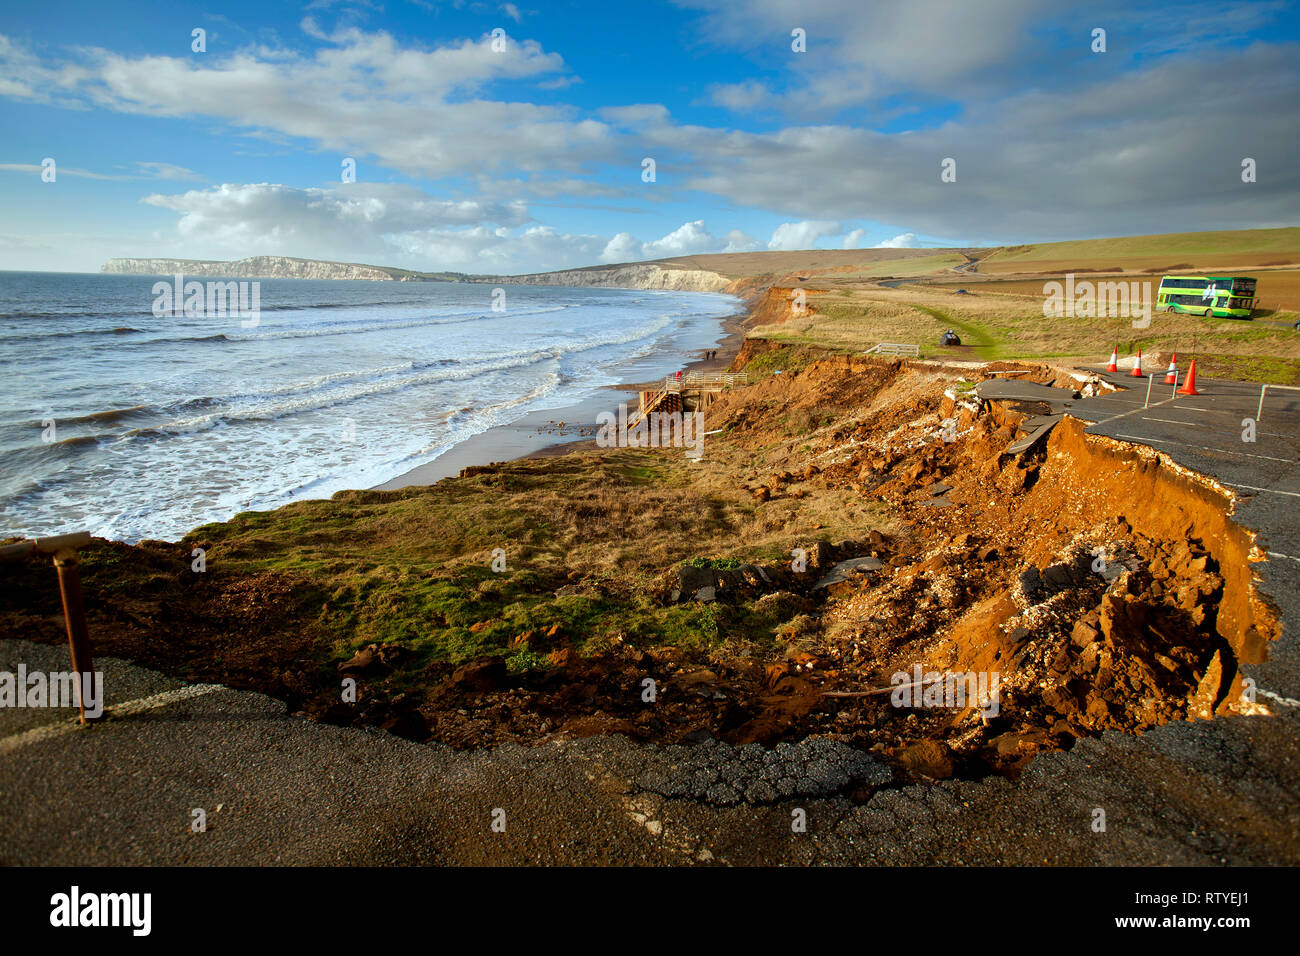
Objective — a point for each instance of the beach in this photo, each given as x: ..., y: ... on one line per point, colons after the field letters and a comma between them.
x: 548, y: 432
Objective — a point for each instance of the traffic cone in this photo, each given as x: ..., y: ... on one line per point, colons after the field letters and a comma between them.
x: 1137, y: 366
x: 1171, y: 377
x: 1189, y: 386
x: 1114, y: 360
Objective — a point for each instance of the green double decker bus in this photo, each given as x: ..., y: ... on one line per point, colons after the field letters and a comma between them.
x: 1228, y: 297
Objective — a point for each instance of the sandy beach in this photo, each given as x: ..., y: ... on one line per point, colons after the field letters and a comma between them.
x: 559, y: 431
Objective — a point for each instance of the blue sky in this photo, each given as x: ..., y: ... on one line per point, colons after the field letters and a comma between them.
x: 477, y: 159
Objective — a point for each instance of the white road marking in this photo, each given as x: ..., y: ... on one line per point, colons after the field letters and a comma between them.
x: 1184, y: 444
x: 1171, y: 421
x: 126, y: 709
x: 1279, y: 554
x: 1279, y: 698
x: 1269, y: 491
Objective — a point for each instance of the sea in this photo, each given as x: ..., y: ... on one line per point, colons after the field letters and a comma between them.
x: 130, y: 421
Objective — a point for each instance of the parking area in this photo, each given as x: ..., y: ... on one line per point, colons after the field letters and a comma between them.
x: 1250, y: 447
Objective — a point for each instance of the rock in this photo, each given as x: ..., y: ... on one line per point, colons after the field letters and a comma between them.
x: 1208, y: 690
x: 691, y: 579
x: 1083, y: 634
x: 363, y: 660
x: 776, y: 673
x: 1121, y: 620
x: 841, y: 572
x: 706, y: 594
x: 931, y: 758
x: 562, y: 657
x: 763, y: 493
x: 823, y: 555
x: 1031, y: 584
x: 487, y: 673
x: 393, y: 654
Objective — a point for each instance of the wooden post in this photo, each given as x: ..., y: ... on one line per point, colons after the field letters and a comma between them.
x: 74, y: 615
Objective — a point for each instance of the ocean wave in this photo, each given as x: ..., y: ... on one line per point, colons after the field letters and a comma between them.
x: 361, y: 326
x: 168, y: 435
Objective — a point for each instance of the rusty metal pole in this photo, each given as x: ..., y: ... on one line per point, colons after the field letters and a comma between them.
x: 74, y: 614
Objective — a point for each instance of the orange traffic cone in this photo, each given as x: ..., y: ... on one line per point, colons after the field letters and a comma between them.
x: 1114, y: 360
x: 1171, y: 377
x: 1137, y: 366
x: 1189, y: 386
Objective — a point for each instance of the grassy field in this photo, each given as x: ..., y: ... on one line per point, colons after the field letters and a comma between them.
x: 1187, y: 251
x: 1159, y: 253
x: 736, y: 265
x: 586, y: 549
x: 997, y: 323
x: 1277, y: 294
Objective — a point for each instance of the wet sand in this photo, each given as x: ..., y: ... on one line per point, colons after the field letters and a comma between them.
x: 556, y: 431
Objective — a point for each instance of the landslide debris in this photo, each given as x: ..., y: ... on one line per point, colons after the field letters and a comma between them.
x: 854, y: 520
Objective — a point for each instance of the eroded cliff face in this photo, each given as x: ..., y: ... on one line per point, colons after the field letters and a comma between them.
x: 638, y: 276
x: 254, y: 267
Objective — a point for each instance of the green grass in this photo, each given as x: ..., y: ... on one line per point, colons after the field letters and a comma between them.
x: 1280, y: 241
x: 987, y: 344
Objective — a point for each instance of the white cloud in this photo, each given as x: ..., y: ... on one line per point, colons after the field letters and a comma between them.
x: 906, y: 241
x: 36, y: 170
x: 268, y: 218
x: 738, y: 241
x: 854, y: 239
x: 404, y: 226
x: 166, y: 171
x: 791, y: 236
x: 740, y: 97
x: 690, y: 238
x: 415, y: 110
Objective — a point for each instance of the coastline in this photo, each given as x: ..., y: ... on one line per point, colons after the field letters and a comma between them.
x: 548, y: 433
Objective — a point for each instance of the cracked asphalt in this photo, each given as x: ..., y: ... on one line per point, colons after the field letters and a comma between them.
x: 277, y: 789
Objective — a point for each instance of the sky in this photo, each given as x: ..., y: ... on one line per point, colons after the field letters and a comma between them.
x: 516, y: 137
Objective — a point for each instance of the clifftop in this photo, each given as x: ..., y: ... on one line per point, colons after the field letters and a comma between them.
x: 622, y: 276
x: 272, y: 267
x: 643, y: 275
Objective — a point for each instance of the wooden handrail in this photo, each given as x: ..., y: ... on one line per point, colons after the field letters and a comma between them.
x: 51, y: 545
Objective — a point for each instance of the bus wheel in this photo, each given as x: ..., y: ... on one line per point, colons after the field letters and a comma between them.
x: 1169, y: 308
x: 1209, y: 312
